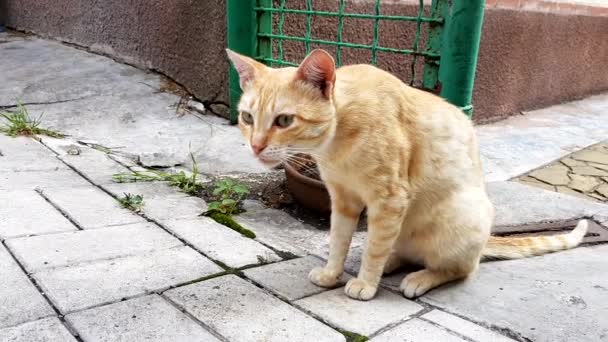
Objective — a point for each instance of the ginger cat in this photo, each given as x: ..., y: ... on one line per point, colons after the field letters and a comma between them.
x: 407, y: 155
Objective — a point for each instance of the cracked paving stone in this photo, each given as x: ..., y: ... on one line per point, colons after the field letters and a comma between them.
x: 566, y: 190
x: 556, y: 175
x: 591, y: 156
x: 572, y: 162
x: 44, y: 330
x: 603, y: 167
x: 242, y: 312
x: 603, y: 190
x: 536, y: 183
x: 149, y: 318
x: 588, y: 171
x: 583, y: 183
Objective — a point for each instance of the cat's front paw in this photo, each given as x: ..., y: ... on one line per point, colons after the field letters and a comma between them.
x: 321, y: 277
x: 359, y: 289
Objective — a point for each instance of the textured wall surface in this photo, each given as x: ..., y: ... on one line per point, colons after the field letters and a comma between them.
x: 528, y: 59
x: 184, y: 39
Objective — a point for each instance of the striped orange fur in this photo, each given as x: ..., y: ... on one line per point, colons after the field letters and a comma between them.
x: 523, y: 247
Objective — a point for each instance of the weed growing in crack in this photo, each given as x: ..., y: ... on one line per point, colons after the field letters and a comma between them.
x: 132, y: 202
x: 188, y: 184
x: 353, y: 337
x: 20, y: 123
x: 229, y: 194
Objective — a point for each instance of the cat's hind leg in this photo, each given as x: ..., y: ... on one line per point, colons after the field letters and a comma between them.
x: 449, y: 241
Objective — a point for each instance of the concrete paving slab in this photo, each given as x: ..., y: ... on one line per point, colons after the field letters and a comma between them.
x: 58, y: 73
x: 518, y: 204
x: 56, y: 250
x: 148, y: 318
x: 240, y: 311
x: 28, y: 180
x: 93, y: 97
x: 362, y: 317
x: 465, y: 328
x: 90, y: 207
x: 289, y: 279
x: 44, y: 330
x: 27, y: 213
x: 97, y: 167
x: 221, y: 243
x: 161, y: 201
x: 87, y: 285
x: 19, y: 300
x: 521, y: 143
x: 285, y: 233
x: 417, y: 330
x: 26, y: 154
x: 555, y: 297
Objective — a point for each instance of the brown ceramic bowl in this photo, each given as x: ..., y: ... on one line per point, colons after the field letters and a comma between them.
x: 308, y: 191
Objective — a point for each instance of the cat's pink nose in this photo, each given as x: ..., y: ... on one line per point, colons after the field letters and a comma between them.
x: 257, y: 149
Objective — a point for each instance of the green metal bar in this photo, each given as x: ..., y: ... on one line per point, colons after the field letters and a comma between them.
x: 265, y: 26
x: 376, y: 34
x: 339, y: 37
x: 350, y: 45
x: 351, y: 15
x: 459, y: 52
x: 439, y: 9
x: 276, y: 61
x: 308, y: 25
x: 242, y: 28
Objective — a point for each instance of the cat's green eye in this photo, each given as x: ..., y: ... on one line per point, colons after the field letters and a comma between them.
x: 247, y: 118
x: 283, y: 120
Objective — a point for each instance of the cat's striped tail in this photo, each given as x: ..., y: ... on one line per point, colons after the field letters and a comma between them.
x: 523, y: 247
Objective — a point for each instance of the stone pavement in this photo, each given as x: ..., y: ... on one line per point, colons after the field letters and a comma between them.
x: 583, y: 174
x: 76, y: 266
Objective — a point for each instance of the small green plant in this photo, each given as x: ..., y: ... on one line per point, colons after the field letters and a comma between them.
x: 229, y: 194
x: 20, y: 123
x: 132, y: 202
x: 189, y: 184
x: 354, y: 337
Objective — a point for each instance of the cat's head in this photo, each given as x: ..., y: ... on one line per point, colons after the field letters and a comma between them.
x: 286, y: 111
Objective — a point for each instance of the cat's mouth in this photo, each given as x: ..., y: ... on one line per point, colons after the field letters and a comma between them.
x: 269, y: 162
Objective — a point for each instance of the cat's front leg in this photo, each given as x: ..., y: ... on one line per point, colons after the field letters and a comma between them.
x: 346, y: 209
x: 385, y: 217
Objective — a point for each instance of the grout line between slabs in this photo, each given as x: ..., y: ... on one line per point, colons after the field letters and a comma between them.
x: 38, y: 287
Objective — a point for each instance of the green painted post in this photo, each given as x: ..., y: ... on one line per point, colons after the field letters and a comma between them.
x: 439, y: 10
x: 242, y: 38
x: 459, y: 52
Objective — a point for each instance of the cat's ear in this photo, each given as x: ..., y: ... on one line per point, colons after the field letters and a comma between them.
x: 246, y: 67
x: 319, y: 70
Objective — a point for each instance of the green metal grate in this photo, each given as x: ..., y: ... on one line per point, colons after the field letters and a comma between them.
x: 452, y: 29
